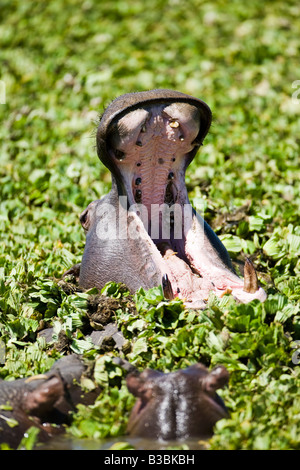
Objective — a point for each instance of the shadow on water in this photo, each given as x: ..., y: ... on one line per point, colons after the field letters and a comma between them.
x: 119, y: 443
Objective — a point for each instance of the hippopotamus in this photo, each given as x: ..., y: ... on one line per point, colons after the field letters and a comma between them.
x: 176, y: 405
x: 145, y: 232
x: 42, y: 400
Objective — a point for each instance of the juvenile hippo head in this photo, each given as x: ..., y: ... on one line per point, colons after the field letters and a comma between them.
x: 44, y: 401
x: 145, y: 231
x: 179, y: 405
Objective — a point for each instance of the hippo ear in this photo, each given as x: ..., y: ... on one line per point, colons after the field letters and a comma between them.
x: 217, y: 378
x: 44, y: 396
x: 135, y: 383
x: 141, y: 384
x: 85, y: 219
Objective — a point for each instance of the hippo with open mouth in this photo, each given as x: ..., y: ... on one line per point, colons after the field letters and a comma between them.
x: 145, y: 232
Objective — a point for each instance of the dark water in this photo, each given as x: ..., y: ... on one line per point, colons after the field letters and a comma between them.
x: 71, y: 443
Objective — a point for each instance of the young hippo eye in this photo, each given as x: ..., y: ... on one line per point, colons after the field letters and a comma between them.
x: 85, y: 219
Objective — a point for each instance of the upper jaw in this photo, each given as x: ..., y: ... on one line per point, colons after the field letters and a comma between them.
x: 150, y: 147
x: 126, y: 103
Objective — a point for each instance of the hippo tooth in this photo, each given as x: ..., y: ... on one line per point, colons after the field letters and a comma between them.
x: 167, y: 288
x: 250, y: 277
x: 174, y: 124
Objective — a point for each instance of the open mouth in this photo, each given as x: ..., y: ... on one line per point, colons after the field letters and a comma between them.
x: 147, y: 140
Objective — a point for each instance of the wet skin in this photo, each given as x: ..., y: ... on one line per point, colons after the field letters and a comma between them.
x: 145, y: 232
x: 178, y: 405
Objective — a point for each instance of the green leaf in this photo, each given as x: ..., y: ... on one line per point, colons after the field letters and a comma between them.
x: 139, y: 346
x: 232, y: 243
x: 121, y: 446
x: 273, y: 248
x: 256, y: 223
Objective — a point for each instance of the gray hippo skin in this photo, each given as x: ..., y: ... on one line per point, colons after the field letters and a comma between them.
x: 41, y: 401
x: 178, y: 405
x: 144, y: 232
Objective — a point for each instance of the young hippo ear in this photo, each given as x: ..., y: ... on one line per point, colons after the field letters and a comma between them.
x: 42, y: 399
x: 142, y: 384
x: 85, y: 219
x: 135, y: 384
x: 217, y: 378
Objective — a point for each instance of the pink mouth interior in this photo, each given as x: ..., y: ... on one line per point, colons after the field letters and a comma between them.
x: 150, y: 146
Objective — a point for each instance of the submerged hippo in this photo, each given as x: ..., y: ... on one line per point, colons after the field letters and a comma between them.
x: 178, y: 405
x: 44, y: 401
x: 145, y: 232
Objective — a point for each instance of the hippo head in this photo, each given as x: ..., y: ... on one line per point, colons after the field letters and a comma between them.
x: 145, y: 232
x: 178, y: 405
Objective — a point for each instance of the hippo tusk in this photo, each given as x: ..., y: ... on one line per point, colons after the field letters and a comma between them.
x: 250, y: 277
x: 36, y: 377
x: 167, y: 288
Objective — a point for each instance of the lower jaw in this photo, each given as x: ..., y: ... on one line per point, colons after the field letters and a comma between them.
x: 187, y: 274
x: 181, y: 281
